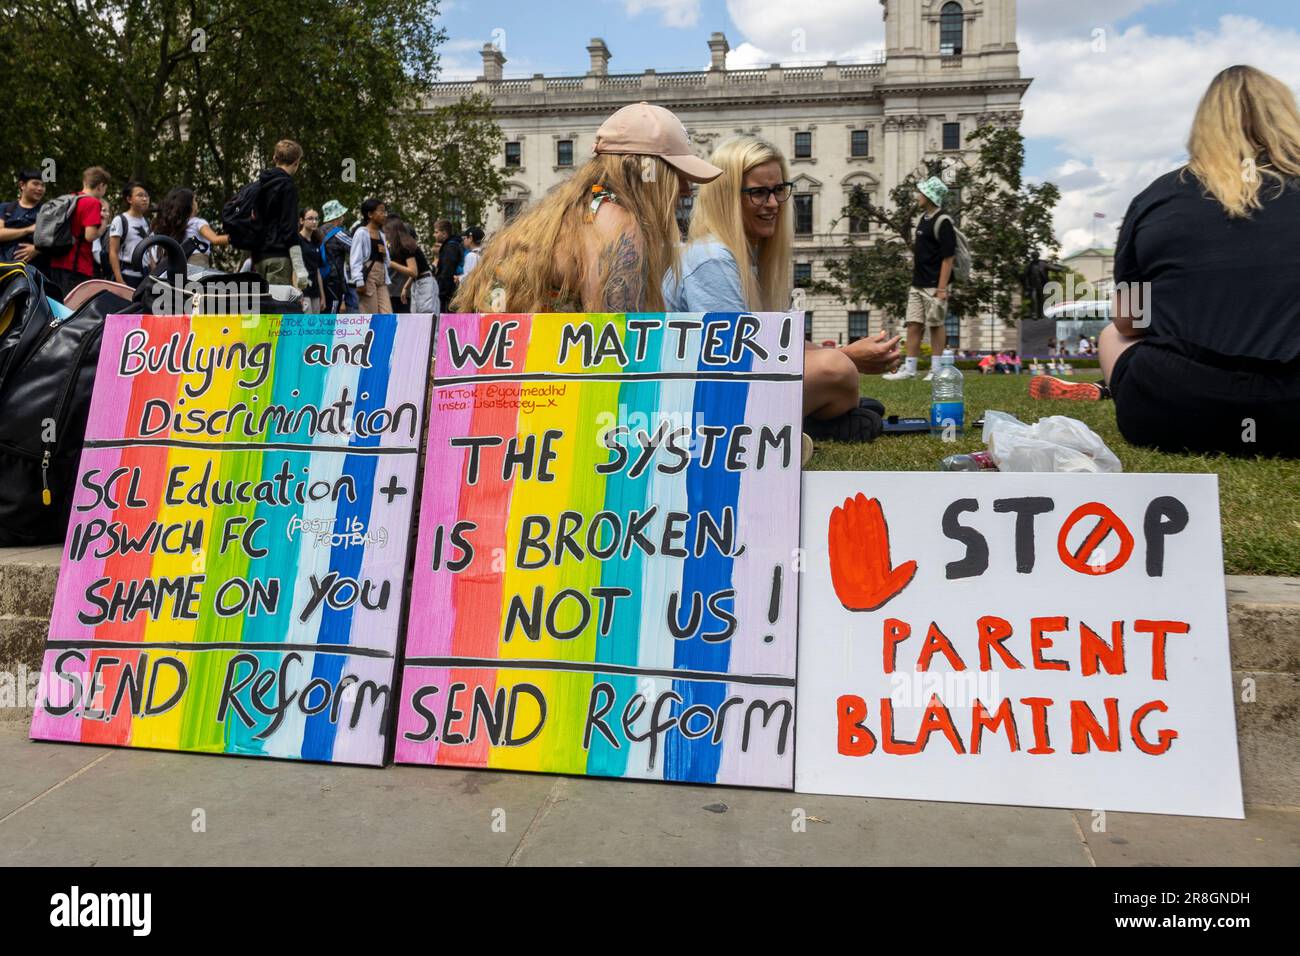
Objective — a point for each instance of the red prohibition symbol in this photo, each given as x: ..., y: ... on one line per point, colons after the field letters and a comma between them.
x: 1107, y: 522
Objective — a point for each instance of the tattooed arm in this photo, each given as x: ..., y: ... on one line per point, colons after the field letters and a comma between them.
x: 624, y: 285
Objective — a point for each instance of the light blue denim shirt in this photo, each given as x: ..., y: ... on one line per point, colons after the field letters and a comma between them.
x: 710, y: 281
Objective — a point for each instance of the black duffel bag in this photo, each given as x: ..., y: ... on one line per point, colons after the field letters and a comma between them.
x: 47, y: 372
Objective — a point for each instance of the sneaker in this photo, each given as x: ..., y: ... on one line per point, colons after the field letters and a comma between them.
x: 929, y: 376
x: 856, y: 425
x: 1044, y: 386
x: 902, y: 373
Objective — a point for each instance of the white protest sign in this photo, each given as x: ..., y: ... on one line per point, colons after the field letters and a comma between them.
x: 1041, y: 640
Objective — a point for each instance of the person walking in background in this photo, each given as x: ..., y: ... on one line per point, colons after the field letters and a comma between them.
x: 18, y: 222
x: 178, y: 218
x: 424, y: 289
x: 933, y: 255
x: 603, y: 240
x: 743, y: 216
x: 473, y: 242
x: 451, y: 256
x: 76, y: 264
x: 401, y: 257
x: 370, y: 260
x: 278, y: 258
x: 310, y: 237
x: 128, y: 229
x: 1203, y: 350
x: 418, y: 288
x: 336, y: 256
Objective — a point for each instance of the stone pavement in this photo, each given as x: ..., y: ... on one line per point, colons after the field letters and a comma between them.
x: 75, y: 805
x: 93, y: 806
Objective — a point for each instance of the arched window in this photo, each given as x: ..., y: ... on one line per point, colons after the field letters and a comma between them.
x: 950, y: 29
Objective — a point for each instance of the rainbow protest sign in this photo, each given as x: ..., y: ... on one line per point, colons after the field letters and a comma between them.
x: 603, y: 579
x: 233, y: 576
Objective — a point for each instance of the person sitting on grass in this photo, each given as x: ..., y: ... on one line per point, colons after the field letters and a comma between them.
x: 743, y: 216
x: 602, y: 240
x: 1203, y: 350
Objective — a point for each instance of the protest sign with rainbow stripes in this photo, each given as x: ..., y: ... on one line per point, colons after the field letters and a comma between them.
x: 233, y: 576
x: 602, y: 580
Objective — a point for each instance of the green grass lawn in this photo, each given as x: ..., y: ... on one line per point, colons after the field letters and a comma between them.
x: 1260, y: 498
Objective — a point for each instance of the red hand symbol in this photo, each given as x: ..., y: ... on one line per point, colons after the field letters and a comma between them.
x: 861, y: 569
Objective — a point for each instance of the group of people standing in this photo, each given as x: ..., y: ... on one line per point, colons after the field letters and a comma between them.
x: 379, y: 265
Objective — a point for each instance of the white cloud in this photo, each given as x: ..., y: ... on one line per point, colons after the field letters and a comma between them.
x: 1122, y: 116
x: 785, y: 32
x: 672, y: 13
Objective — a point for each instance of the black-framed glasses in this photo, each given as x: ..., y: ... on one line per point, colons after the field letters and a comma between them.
x: 758, y: 194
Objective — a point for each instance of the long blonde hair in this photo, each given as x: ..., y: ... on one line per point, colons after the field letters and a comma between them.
x: 1246, y: 130
x: 538, y: 259
x: 718, y: 214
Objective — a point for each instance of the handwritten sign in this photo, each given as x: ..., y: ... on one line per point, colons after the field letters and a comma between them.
x: 1044, y: 640
x: 602, y: 580
x: 233, y: 576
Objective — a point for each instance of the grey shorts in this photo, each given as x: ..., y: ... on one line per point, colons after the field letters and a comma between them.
x: 924, y: 309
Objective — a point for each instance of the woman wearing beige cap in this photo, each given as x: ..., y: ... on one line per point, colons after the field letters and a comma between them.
x: 744, y: 216
x: 603, y: 240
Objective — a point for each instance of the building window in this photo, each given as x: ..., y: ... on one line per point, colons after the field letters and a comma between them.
x: 950, y: 29
x: 952, y: 330
x: 807, y: 326
x: 510, y: 208
x: 803, y: 214
x: 952, y: 135
x: 802, y: 275
x: 564, y: 152
x: 514, y: 155
x: 859, y: 325
x: 858, y: 221
x: 859, y: 143
x: 803, y: 145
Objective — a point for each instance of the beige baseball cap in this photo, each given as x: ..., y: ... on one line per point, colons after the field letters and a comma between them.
x: 645, y: 130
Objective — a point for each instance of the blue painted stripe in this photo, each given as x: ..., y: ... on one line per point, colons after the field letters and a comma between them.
x: 336, y: 625
x: 711, y: 489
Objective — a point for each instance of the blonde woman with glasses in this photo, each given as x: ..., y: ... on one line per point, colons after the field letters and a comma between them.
x: 1203, y: 350
x: 744, y: 216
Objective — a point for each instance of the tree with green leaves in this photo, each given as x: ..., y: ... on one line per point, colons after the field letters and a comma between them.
x: 1007, y: 221
x: 197, y: 92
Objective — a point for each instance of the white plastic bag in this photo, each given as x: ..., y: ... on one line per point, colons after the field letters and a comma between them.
x: 1055, y: 443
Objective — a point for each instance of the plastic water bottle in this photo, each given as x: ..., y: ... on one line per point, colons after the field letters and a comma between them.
x: 974, y: 461
x: 947, y: 406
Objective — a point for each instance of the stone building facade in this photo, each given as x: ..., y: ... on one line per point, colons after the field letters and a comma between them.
x: 948, y: 66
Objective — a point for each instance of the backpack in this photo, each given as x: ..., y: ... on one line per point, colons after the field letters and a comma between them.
x: 47, y: 372
x: 241, y: 219
x: 325, y: 267
x: 962, y: 259
x: 54, y: 225
x: 102, y: 260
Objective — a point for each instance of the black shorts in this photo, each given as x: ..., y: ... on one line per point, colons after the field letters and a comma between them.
x: 1168, y: 401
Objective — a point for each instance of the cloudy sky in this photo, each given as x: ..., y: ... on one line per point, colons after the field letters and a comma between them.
x: 1115, y: 81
